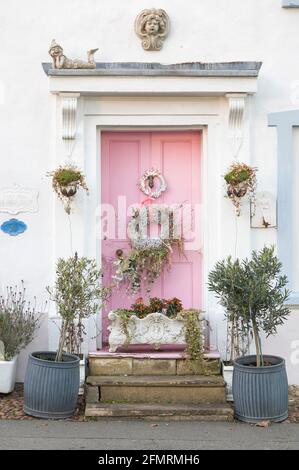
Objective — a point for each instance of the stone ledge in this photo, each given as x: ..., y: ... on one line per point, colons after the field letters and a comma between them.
x: 135, y: 69
x: 157, y: 364
x: 157, y: 381
x: 159, y: 412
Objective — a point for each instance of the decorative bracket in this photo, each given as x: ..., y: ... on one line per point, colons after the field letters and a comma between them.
x: 69, y: 120
x: 237, y: 103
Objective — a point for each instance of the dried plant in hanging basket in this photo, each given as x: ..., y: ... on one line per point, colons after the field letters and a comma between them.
x: 66, y: 180
x: 240, y: 181
x: 142, y: 265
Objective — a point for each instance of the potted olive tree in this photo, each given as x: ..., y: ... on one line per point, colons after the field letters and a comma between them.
x: 18, y: 323
x: 224, y: 280
x: 52, y: 377
x: 257, y: 300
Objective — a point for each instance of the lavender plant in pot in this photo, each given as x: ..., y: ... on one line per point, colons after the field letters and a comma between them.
x: 256, y: 299
x: 52, y: 377
x: 19, y: 321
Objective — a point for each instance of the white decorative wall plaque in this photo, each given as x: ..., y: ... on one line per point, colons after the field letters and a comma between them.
x: 263, y: 211
x: 18, y: 199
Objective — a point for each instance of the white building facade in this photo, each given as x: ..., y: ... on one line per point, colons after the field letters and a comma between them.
x: 246, y: 111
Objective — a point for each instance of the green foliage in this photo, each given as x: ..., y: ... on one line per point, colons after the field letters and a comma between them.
x: 78, y: 294
x: 66, y: 180
x: 155, y: 305
x: 240, y: 180
x: 170, y: 307
x: 66, y: 176
x: 193, y: 335
x: 18, y: 321
x: 125, y: 316
x: 141, y: 265
x: 253, y: 293
x: 173, y: 307
x: 235, y: 178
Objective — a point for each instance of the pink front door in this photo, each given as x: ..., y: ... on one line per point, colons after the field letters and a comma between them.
x: 125, y: 157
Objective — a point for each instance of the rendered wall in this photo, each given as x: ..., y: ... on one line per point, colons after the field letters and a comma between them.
x: 206, y: 30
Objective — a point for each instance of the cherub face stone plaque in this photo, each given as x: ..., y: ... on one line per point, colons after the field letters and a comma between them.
x: 152, y: 27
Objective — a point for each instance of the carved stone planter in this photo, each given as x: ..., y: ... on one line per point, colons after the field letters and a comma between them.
x: 156, y: 329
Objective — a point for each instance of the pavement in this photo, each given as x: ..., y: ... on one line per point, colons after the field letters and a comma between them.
x: 140, y: 435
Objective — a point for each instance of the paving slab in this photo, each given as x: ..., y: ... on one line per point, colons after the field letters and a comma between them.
x: 136, y: 435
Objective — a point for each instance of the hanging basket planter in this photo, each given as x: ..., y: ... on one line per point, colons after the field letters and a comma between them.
x: 240, y: 181
x: 66, y: 180
x: 70, y: 190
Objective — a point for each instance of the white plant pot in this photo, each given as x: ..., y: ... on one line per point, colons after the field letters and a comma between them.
x: 82, y: 368
x: 228, y: 377
x: 8, y: 370
x: 155, y: 328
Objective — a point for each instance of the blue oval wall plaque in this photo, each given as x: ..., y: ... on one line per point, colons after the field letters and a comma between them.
x: 13, y: 227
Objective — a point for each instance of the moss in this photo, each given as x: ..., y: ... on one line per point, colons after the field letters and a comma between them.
x: 234, y: 177
x: 66, y: 176
x: 194, y: 340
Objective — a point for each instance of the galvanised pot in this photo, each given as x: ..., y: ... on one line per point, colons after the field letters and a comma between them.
x: 51, y: 388
x: 260, y: 393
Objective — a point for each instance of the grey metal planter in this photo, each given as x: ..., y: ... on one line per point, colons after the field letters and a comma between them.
x: 260, y: 393
x: 51, y: 388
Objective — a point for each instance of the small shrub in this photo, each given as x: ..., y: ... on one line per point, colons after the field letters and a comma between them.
x: 19, y: 321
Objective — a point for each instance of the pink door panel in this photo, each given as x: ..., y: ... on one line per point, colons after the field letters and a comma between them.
x: 125, y: 157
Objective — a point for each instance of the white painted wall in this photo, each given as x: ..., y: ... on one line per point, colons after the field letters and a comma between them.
x: 209, y: 30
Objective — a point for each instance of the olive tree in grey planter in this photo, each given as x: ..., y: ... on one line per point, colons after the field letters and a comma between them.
x: 257, y: 301
x: 223, y: 281
x: 52, y: 378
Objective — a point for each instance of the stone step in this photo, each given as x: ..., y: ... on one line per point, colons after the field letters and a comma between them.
x: 101, y: 363
x: 158, y: 412
x: 159, y: 389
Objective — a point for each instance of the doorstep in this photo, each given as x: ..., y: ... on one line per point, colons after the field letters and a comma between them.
x: 159, y: 412
x: 147, y: 353
x: 149, y: 362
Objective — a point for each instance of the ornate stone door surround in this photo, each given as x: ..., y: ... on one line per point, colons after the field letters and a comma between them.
x: 213, y: 98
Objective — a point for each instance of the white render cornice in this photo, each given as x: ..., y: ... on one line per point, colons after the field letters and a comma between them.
x: 194, y: 79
